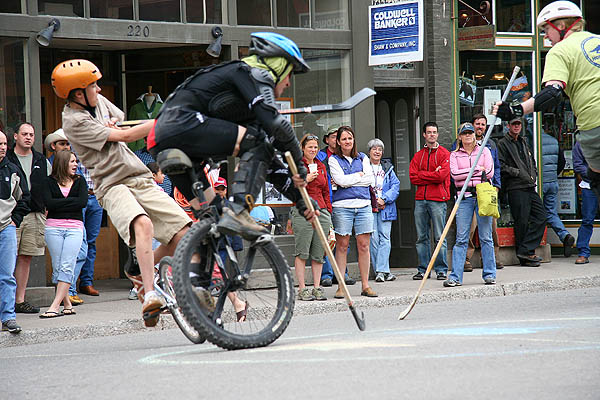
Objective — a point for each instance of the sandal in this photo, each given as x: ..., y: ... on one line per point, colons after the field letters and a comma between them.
x: 242, y: 315
x: 69, y: 311
x: 51, y: 314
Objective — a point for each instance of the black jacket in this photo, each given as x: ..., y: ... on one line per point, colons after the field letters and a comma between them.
x: 21, y: 209
x: 61, y: 207
x: 39, y: 173
x: 517, y: 165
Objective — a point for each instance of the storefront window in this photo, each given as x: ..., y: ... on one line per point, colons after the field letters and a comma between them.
x: 160, y: 10
x: 12, y: 85
x: 10, y: 6
x: 483, y: 78
x: 474, y: 13
x: 196, y: 10
x: 331, y: 14
x: 254, y: 12
x: 68, y: 8
x: 295, y: 14
x: 115, y: 9
x: 515, y: 16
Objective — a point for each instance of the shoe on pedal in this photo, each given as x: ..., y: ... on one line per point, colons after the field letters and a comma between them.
x: 152, y: 308
x: 240, y: 224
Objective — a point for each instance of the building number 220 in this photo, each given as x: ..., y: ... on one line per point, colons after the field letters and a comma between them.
x: 138, y: 30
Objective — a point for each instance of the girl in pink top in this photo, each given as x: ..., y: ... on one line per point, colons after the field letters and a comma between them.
x: 65, y: 196
x: 461, y: 161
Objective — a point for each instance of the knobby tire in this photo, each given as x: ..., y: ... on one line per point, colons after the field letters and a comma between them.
x: 269, y: 321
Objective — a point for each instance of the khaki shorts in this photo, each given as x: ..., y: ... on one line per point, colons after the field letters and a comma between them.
x: 30, y: 235
x: 590, y: 146
x: 140, y: 196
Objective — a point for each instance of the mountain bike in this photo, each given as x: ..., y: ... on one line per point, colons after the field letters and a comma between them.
x: 208, y: 281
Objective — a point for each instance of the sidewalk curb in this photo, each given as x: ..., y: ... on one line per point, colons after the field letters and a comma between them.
x: 124, y: 326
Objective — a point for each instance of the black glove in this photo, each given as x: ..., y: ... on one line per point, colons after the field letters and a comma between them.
x: 301, y: 206
x: 506, y: 112
x: 302, y: 170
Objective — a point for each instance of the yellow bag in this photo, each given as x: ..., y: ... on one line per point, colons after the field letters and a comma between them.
x: 487, y: 199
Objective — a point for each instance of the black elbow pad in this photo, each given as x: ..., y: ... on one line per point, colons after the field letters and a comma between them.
x: 548, y: 98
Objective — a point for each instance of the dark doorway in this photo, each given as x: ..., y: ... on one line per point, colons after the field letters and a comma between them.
x: 395, y: 124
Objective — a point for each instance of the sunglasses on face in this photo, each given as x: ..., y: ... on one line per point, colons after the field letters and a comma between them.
x: 516, y: 123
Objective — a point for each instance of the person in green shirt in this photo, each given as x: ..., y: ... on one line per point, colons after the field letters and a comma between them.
x: 573, y: 67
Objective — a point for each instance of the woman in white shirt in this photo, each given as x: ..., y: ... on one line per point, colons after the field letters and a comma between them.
x: 351, y: 177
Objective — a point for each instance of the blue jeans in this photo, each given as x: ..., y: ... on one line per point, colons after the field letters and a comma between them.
x: 64, y: 245
x: 589, y: 207
x: 380, y: 244
x: 92, y: 218
x: 8, y: 284
x: 550, y: 204
x: 81, y: 257
x: 464, y: 217
x: 427, y: 213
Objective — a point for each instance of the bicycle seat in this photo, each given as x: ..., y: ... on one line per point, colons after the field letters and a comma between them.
x: 173, y: 161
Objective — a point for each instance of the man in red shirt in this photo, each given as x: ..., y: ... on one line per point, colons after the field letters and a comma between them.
x: 430, y: 172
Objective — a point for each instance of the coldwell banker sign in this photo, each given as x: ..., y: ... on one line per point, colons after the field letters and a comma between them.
x: 396, y: 32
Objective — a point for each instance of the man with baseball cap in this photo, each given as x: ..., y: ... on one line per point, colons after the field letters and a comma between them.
x: 572, y: 66
x: 518, y: 172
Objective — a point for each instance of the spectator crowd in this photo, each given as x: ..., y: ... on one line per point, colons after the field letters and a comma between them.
x: 52, y: 203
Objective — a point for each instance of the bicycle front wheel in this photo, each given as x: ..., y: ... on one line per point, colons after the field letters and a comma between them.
x: 166, y: 283
x: 255, y: 314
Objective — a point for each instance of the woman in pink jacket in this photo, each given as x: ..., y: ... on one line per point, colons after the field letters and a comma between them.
x: 461, y: 161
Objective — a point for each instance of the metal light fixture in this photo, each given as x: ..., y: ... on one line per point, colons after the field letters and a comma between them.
x: 214, y: 50
x: 45, y: 36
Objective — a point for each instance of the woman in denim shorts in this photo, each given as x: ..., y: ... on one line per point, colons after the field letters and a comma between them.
x: 305, y: 237
x: 351, y: 177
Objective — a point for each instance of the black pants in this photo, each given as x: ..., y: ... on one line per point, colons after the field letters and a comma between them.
x: 529, y: 214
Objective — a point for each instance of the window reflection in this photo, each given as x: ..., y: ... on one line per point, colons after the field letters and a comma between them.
x: 68, y: 8
x: 294, y: 14
x: 160, y: 10
x: 474, y: 13
x: 515, y: 16
x: 195, y: 10
x: 331, y: 14
x: 12, y: 85
x: 10, y: 6
x: 483, y: 73
x: 254, y: 12
x: 116, y: 9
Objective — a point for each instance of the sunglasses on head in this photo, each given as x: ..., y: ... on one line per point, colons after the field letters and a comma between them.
x: 312, y: 137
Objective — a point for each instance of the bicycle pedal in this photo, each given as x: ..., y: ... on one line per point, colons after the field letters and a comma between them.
x: 151, y: 314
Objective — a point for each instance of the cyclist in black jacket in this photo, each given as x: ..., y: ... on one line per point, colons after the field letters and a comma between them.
x: 229, y: 109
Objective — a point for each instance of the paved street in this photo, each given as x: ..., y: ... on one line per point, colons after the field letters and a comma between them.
x: 538, y: 346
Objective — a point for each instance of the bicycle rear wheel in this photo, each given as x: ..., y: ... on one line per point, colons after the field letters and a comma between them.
x: 267, y: 294
x: 166, y: 283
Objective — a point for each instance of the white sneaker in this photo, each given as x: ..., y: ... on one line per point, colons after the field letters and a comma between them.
x: 380, y: 277
x: 133, y: 294
x: 151, y: 308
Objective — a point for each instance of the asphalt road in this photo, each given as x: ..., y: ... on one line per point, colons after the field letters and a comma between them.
x: 540, y: 346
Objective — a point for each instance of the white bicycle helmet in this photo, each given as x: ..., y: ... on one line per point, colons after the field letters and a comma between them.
x: 556, y: 10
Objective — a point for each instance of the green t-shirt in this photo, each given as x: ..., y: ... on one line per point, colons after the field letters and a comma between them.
x: 576, y: 62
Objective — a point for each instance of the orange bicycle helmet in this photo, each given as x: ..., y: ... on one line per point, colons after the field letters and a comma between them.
x: 73, y: 74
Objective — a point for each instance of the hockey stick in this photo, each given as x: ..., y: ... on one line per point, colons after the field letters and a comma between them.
x: 458, y: 200
x: 360, y: 320
x: 345, y: 105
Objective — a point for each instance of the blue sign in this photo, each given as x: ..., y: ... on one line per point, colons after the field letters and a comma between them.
x: 396, y: 32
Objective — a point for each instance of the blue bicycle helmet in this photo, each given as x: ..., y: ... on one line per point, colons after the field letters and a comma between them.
x: 270, y: 44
